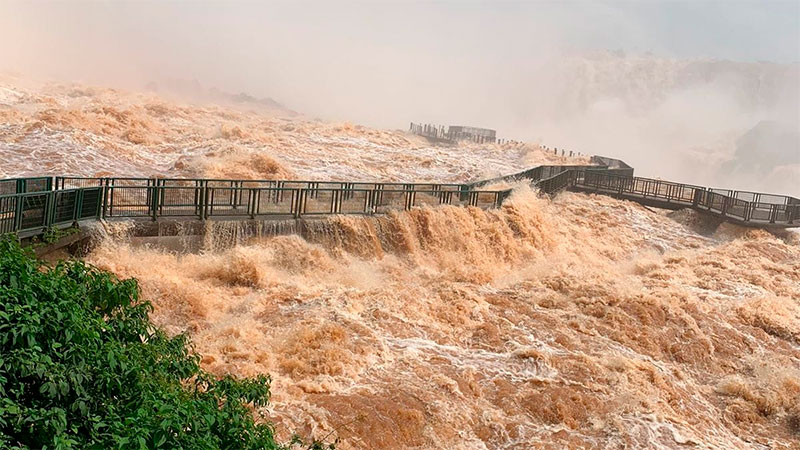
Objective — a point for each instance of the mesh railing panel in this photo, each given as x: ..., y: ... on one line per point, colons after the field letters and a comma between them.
x: 8, y: 187
x: 275, y: 201
x: 8, y: 218
x: 37, y: 184
x: 34, y: 211
x: 180, y: 201
x: 225, y: 201
x: 64, y: 208
x: 25, y: 185
x: 91, y: 204
x: 129, y: 201
x: 387, y: 200
x: 355, y: 202
x: 319, y: 201
x: 77, y: 182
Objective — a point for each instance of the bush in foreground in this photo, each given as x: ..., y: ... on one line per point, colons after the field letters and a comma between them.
x: 82, y: 366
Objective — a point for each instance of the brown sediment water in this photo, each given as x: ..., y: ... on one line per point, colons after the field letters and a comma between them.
x: 582, y: 322
x: 56, y: 129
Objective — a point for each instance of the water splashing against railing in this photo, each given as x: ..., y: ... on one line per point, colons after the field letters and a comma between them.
x: 76, y: 199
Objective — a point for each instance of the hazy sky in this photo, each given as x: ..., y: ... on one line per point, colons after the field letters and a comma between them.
x: 301, y: 52
x: 493, y: 64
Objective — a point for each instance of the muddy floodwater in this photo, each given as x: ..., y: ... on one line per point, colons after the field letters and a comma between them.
x: 576, y: 322
x: 582, y: 322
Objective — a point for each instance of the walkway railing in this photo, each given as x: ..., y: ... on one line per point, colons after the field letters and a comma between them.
x: 23, y: 185
x: 780, y: 210
x: 31, y: 205
x: 77, y: 198
x: 598, y: 163
x: 34, y: 212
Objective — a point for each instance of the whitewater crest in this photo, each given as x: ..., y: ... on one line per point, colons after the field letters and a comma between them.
x: 86, y: 131
x: 573, y: 323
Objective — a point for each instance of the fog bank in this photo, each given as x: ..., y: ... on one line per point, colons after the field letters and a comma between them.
x: 678, y: 89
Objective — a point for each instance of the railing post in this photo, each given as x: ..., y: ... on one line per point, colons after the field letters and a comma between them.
x: 162, y: 193
x: 75, y: 210
x: 298, y: 207
x: 293, y: 205
x: 196, y: 201
x: 201, y: 202
x: 154, y: 196
x: 51, y: 210
x: 79, y: 198
x: 210, y: 191
x: 48, y: 210
x: 773, y: 213
x: 108, y: 197
x: 375, y: 201
x: 149, y: 193
x: 98, y: 204
x: 333, y: 205
x: 255, y: 196
x: 18, y: 213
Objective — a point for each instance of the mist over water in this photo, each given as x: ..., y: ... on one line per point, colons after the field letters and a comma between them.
x: 701, y: 108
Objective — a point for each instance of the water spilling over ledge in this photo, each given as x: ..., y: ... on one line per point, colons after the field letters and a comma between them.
x: 581, y: 322
x: 577, y: 322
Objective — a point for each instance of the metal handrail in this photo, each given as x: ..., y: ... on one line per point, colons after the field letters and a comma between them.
x: 23, y: 185
x: 696, y: 197
x: 40, y: 202
x: 62, y: 182
x: 209, y: 201
x: 35, y: 212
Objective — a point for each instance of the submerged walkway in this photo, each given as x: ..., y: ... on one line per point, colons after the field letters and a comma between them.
x: 31, y: 206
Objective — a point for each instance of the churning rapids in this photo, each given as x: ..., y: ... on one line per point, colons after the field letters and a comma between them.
x: 585, y: 322
x: 581, y: 322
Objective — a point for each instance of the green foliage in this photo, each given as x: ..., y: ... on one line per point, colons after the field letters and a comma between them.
x: 53, y: 234
x: 82, y: 366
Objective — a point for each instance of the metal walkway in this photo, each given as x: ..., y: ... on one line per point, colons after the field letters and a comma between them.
x: 753, y: 209
x: 614, y: 178
x: 30, y: 206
